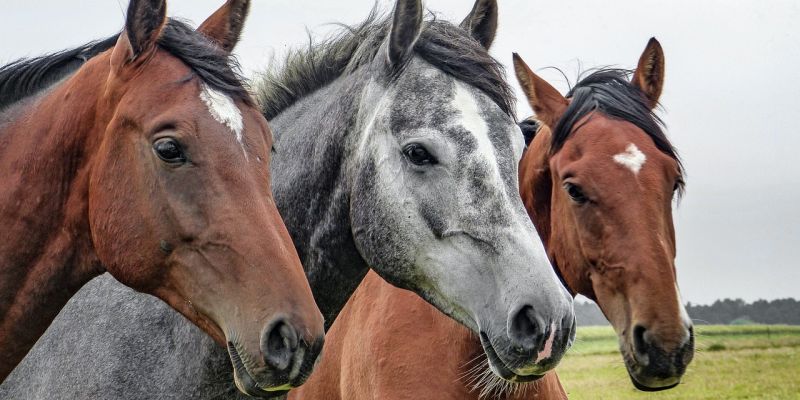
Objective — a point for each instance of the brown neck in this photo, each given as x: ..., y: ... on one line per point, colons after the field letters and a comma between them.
x: 46, y: 251
x: 536, y: 191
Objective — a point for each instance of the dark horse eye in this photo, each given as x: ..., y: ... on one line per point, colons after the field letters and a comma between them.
x: 169, y: 150
x: 575, y: 193
x: 418, y: 155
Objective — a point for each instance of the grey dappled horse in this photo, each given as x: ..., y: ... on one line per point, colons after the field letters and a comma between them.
x: 396, y: 148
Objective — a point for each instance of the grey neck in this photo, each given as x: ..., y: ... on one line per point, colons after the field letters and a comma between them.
x: 314, y: 139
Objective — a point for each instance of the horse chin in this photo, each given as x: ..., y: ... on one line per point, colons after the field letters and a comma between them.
x: 647, y: 384
x: 247, y: 384
x: 500, y: 368
x: 644, y: 388
x: 656, y: 385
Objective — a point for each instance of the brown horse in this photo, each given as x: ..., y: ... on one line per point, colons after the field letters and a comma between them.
x: 598, y: 180
x: 151, y: 161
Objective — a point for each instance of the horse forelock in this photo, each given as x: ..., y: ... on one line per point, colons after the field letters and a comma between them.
x: 447, y: 47
x: 608, y: 91
x: 214, y: 66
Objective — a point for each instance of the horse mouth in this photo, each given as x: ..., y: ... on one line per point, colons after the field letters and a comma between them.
x: 645, y: 388
x: 654, y: 385
x: 246, y: 383
x: 646, y: 383
x: 499, y: 367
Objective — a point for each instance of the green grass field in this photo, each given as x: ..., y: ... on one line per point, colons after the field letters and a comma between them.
x: 730, y: 362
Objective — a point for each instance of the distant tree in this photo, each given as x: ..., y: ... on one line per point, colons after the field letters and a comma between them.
x: 720, y: 312
x: 781, y: 311
x: 742, y: 321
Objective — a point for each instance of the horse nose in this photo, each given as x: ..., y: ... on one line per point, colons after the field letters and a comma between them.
x: 641, y: 344
x: 656, y: 360
x: 527, y: 330
x: 288, y: 353
x: 570, y: 326
x: 279, y: 344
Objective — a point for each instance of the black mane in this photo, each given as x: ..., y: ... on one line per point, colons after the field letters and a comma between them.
x: 445, y: 46
x: 610, y: 92
x: 26, y: 77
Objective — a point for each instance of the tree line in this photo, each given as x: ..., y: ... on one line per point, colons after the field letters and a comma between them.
x: 721, y: 312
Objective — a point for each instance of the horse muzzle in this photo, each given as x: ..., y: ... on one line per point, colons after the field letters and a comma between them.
x: 650, y: 367
x: 287, y: 362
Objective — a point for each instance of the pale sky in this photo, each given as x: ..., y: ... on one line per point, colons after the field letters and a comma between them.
x: 732, y: 100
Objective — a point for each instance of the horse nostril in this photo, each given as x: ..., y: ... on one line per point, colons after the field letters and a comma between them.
x: 569, y: 329
x: 278, y: 345
x: 639, y: 342
x: 685, y: 353
x: 526, y: 330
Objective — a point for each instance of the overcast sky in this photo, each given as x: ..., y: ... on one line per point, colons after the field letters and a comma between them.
x: 732, y: 100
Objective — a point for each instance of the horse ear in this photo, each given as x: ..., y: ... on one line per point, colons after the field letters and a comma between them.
x: 406, y: 27
x: 649, y: 75
x: 481, y: 22
x: 224, y: 27
x: 546, y: 101
x: 529, y: 127
x: 143, y: 24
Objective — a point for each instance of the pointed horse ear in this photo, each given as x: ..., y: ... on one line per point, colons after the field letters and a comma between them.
x: 406, y: 27
x: 481, y: 22
x: 143, y: 25
x: 546, y: 101
x: 224, y: 27
x: 649, y: 75
x: 529, y: 127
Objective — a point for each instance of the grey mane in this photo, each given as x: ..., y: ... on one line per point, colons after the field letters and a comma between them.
x: 445, y: 46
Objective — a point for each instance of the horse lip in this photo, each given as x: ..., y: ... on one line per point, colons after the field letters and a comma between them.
x: 246, y: 383
x: 303, y: 368
x: 632, y: 367
x: 645, y: 388
x: 499, y: 367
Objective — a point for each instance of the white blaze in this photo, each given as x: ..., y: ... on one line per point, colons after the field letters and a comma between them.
x: 632, y: 158
x: 473, y: 122
x: 223, y: 109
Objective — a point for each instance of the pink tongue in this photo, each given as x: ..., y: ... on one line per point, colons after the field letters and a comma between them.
x: 548, y: 345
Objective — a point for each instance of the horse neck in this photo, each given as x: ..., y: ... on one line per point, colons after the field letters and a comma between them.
x: 536, y: 184
x: 315, y: 140
x: 536, y: 190
x: 45, y: 254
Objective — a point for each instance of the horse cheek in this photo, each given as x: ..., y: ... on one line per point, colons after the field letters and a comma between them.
x: 119, y: 204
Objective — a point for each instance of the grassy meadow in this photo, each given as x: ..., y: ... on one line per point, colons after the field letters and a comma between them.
x: 731, y: 362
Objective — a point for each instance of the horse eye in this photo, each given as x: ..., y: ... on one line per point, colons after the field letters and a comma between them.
x: 418, y: 155
x: 169, y: 150
x: 576, y: 193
